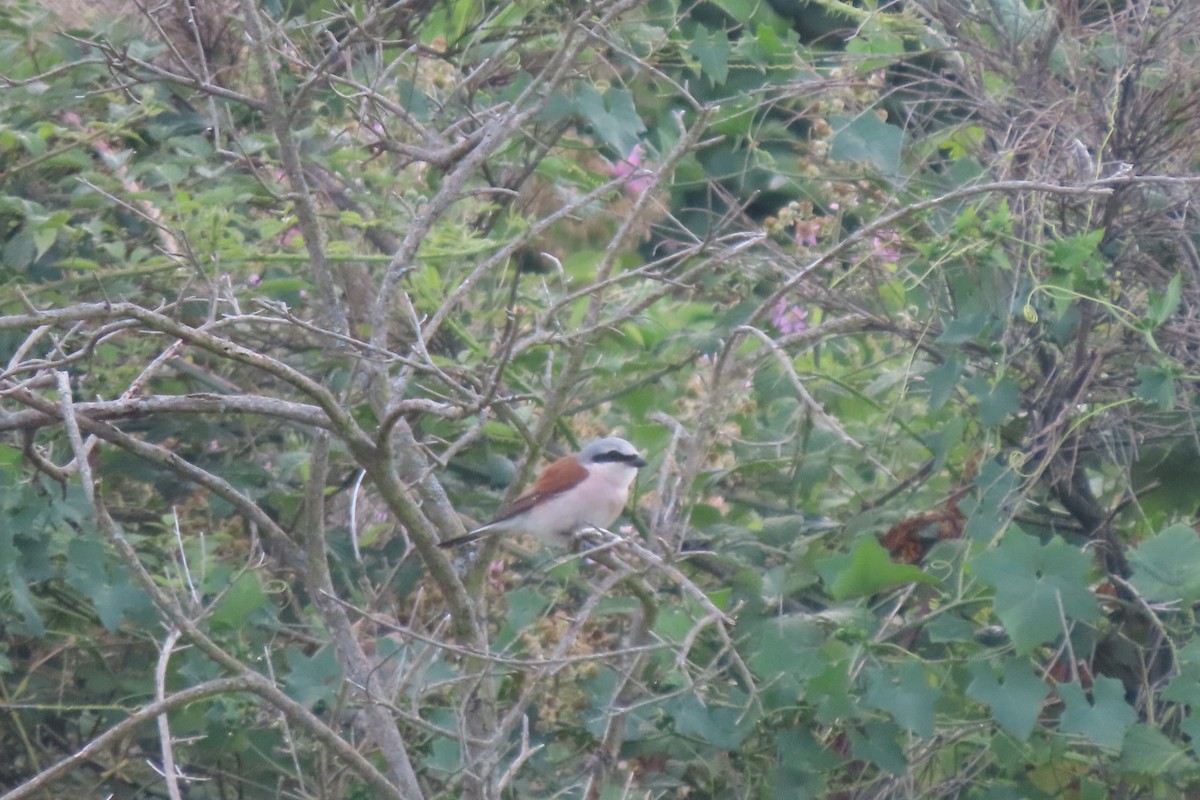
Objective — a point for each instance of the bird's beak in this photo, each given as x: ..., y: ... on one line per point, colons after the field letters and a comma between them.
x: 638, y: 462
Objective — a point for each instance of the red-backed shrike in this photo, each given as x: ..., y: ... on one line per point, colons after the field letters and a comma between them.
x: 584, y: 490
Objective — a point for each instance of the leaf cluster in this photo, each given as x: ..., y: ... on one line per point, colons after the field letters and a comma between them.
x: 899, y: 301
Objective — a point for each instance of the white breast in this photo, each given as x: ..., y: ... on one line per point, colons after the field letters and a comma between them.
x: 597, y: 501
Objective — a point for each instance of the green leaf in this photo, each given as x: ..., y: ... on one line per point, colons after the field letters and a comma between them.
x: 43, y: 239
x: 1184, y: 689
x: 711, y: 49
x: 1074, y: 251
x: 1016, y: 701
x: 762, y: 49
x: 1160, y: 308
x: 1156, y: 386
x: 805, y: 765
x: 314, y: 679
x: 949, y: 628
x: 1077, y: 259
x: 965, y: 328
x: 787, y: 647
x: 867, y: 571
x: 243, y: 598
x: 875, y: 40
x: 941, y: 381
x: 613, y: 117
x: 723, y: 726
x: 1147, y: 751
x: 878, y: 743
x: 866, y: 139
x: 1104, y: 720
x: 673, y: 624
x: 18, y: 252
x: 989, y: 509
x: 1166, y: 567
x: 906, y: 693
x: 110, y: 589
x: 997, y: 402
x: 741, y: 10
x: 1031, y: 581
x: 524, y: 607
x: 30, y: 622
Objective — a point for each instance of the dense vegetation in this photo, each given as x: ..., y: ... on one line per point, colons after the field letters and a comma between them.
x: 901, y: 301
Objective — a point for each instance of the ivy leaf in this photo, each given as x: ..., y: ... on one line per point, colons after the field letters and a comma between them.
x: 1184, y: 689
x: 1166, y: 567
x: 877, y: 743
x: 243, y: 598
x: 996, y: 402
x: 112, y: 593
x: 1147, y: 751
x: 989, y: 509
x: 524, y: 608
x: 1156, y: 386
x: 612, y: 116
x: 906, y: 693
x: 13, y: 582
x: 867, y: 571
x: 711, y: 49
x: 1016, y: 702
x: 805, y: 765
x: 722, y: 726
x: 1031, y: 580
x: 43, y: 239
x: 312, y: 679
x: 1160, y: 307
x: 741, y: 10
x: 30, y: 623
x: 1076, y: 252
x: 941, y: 381
x: 18, y: 252
x: 964, y: 328
x: 763, y: 48
x: 787, y: 649
x: 866, y: 139
x: 1104, y: 720
x: 875, y: 40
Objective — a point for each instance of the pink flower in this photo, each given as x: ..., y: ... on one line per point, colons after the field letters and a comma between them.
x: 806, y: 232
x: 885, y: 245
x: 787, y: 317
x: 629, y: 165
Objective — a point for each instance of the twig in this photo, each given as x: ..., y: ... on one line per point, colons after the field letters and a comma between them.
x: 810, y: 401
x: 183, y: 560
x: 74, y: 436
x: 44, y: 779
x: 289, y: 151
x: 1066, y: 627
x: 170, y: 774
x: 524, y: 754
x: 319, y: 584
x: 552, y: 663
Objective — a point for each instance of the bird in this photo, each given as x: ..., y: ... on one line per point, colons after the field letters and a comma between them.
x: 583, y: 490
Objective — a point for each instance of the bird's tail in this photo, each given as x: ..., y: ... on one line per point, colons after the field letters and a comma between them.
x: 466, y: 538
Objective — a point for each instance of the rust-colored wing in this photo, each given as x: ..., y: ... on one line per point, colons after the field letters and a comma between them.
x: 564, y: 474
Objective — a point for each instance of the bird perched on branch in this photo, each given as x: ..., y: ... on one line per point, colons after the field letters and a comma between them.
x: 579, y: 491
